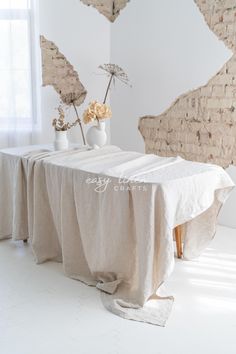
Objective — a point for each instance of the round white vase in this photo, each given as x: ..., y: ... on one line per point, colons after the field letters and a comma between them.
x: 96, y: 136
x: 61, y: 141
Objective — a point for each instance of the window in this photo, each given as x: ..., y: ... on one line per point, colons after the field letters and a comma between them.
x: 16, y: 98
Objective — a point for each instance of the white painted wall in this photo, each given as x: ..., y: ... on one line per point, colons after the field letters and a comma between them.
x: 83, y: 36
x: 167, y: 49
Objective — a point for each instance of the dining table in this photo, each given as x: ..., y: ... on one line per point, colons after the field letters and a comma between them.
x: 108, y: 215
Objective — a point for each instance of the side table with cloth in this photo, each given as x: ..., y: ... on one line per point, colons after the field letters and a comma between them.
x: 109, y: 216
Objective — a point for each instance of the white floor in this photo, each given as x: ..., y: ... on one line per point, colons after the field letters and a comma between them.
x: 43, y: 312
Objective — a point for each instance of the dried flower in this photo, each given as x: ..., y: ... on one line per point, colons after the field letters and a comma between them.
x: 96, y: 111
x: 71, y: 98
x: 60, y: 124
x: 116, y: 71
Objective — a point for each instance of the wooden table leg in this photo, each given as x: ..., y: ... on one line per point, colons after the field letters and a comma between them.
x: 178, y: 239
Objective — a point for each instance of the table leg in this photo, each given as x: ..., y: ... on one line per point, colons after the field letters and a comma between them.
x: 178, y: 239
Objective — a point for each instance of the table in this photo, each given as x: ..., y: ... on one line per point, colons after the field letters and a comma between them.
x: 109, y: 216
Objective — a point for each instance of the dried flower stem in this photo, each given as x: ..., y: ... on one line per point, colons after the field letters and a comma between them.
x: 79, y: 121
x: 108, y: 88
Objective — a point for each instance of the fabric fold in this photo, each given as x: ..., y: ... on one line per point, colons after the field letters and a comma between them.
x: 109, y: 216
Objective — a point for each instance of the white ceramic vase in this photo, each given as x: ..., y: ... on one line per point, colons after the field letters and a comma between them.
x: 61, y: 141
x: 96, y: 136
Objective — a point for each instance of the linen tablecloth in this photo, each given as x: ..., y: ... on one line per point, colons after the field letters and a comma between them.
x: 109, y: 216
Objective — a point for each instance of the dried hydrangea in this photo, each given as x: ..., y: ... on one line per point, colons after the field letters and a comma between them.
x: 96, y: 111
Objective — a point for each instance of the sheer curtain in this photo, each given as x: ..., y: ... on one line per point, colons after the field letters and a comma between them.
x: 18, y: 119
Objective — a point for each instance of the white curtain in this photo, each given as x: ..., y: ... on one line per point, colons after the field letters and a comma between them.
x: 17, y: 99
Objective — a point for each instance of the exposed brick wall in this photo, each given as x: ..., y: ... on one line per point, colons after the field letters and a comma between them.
x: 58, y: 72
x: 109, y: 8
x: 201, y: 124
x: 220, y: 16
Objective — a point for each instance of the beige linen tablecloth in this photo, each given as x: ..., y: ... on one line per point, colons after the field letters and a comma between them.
x: 109, y: 215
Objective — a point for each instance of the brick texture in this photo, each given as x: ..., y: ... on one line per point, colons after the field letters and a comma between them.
x: 201, y: 124
x: 58, y: 72
x: 109, y: 8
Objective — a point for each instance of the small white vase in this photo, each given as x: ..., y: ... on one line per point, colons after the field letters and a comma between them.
x: 96, y: 136
x: 61, y: 141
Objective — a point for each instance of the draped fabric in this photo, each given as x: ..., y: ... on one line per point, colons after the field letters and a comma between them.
x: 117, y: 235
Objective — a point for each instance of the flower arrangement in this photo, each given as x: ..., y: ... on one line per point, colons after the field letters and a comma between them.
x: 74, y: 96
x: 58, y: 72
x: 60, y: 124
x: 96, y: 111
x: 99, y: 111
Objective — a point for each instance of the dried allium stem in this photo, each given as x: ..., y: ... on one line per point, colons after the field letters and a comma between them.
x: 80, y: 124
x: 108, y: 88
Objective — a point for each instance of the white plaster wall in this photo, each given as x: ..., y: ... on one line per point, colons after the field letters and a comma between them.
x: 167, y: 49
x: 83, y: 36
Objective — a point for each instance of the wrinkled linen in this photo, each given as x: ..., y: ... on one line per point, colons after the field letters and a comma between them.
x: 109, y: 216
